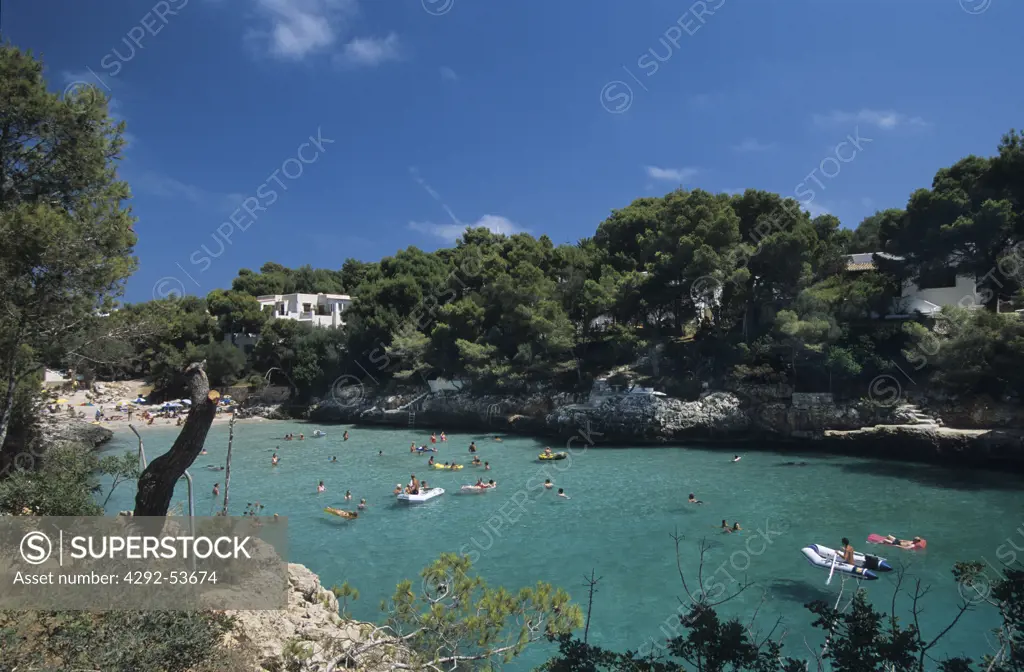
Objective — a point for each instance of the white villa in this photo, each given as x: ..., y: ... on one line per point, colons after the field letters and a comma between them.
x: 945, y: 289
x: 319, y: 310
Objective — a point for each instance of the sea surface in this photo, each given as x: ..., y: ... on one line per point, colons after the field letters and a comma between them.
x: 626, y: 503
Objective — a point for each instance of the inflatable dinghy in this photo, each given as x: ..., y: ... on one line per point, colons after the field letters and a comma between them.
x: 814, y: 557
x: 424, y: 449
x: 425, y: 495
x: 450, y: 467
x: 872, y: 562
x: 884, y: 541
x: 318, y: 435
x: 552, y: 456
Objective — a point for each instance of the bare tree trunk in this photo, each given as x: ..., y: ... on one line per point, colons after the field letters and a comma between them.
x: 227, y: 469
x: 7, y: 407
x: 156, y: 484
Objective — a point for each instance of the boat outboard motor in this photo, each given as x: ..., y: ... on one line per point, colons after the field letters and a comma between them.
x: 876, y: 563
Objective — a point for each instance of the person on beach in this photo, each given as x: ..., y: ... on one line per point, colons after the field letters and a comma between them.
x: 321, y: 487
x: 348, y: 495
x: 561, y: 493
x: 362, y: 503
x: 694, y: 500
x: 548, y: 484
x: 344, y: 437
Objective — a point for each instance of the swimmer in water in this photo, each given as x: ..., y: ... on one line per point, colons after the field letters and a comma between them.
x: 398, y: 489
x: 344, y: 437
x: 274, y: 460
x: 412, y: 447
x: 362, y: 503
x: 694, y: 500
x: 433, y: 438
x: 430, y: 462
x: 497, y: 439
x: 491, y: 484
x: 472, y: 446
x: 216, y: 489
x: 561, y: 493
x: 334, y: 459
x: 443, y: 437
x: 321, y: 487
x: 736, y: 458
x: 487, y: 466
x: 348, y: 495
x: 736, y: 527
x: 379, y: 453
x: 204, y: 452
x: 302, y: 437
x: 725, y: 527
x: 548, y: 484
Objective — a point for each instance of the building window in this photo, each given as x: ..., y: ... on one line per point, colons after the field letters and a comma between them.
x: 280, y: 309
x: 940, y: 278
x: 307, y: 307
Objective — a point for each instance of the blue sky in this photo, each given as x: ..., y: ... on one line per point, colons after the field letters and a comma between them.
x: 353, y: 128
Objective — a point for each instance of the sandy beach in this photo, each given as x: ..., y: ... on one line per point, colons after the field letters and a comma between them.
x: 126, y: 391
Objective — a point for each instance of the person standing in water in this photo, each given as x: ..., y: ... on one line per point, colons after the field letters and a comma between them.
x: 344, y: 437
x: 433, y: 438
x: 348, y: 495
x: 321, y: 487
x: 472, y: 446
x: 274, y: 460
x: 725, y: 527
x: 216, y: 489
x: 362, y: 503
x: 443, y: 437
x: 548, y: 484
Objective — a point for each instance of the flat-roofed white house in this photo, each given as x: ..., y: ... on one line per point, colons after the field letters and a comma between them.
x: 928, y: 299
x: 319, y: 310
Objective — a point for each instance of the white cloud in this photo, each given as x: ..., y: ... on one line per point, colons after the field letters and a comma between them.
x: 887, y: 120
x: 370, y: 51
x: 451, y: 232
x: 679, y: 175
x: 163, y: 186
x: 753, y: 145
x: 734, y: 192
x: 816, y: 209
x: 301, y: 27
x: 449, y: 74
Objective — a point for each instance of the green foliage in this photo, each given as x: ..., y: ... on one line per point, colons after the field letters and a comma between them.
x: 118, y: 640
x: 457, y: 619
x: 344, y: 593
x: 64, y: 220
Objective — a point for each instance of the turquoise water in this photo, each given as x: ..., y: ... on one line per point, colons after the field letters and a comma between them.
x: 625, y: 504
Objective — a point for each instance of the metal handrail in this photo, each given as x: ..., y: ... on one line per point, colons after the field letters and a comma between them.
x: 191, y: 494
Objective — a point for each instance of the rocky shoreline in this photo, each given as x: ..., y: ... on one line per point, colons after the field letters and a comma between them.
x: 770, y: 419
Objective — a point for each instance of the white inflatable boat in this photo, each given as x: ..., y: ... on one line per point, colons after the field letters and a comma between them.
x: 873, y: 562
x: 424, y: 495
x: 814, y: 555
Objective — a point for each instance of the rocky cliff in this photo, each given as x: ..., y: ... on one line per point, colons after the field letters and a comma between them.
x: 310, y: 630
x: 749, y: 416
